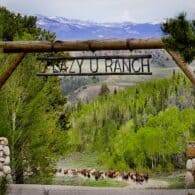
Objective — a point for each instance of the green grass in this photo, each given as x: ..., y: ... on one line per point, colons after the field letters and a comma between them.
x: 89, y: 182
x: 80, y: 160
x: 179, y: 183
x: 175, y: 179
x: 176, y: 183
x: 86, y: 160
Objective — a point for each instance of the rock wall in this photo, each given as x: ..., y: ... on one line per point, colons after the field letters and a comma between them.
x: 5, y: 169
x: 190, y: 164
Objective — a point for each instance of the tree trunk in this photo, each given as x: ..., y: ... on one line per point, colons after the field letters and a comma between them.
x: 19, y: 177
x: 17, y: 153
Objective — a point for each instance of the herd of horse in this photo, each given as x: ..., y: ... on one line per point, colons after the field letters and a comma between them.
x: 96, y: 174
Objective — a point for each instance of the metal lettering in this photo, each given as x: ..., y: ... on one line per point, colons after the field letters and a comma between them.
x: 128, y: 66
x: 63, y: 67
x: 145, y: 65
x: 70, y: 70
x: 133, y: 67
x: 80, y: 65
x: 110, y: 65
x: 97, y: 66
x: 117, y: 66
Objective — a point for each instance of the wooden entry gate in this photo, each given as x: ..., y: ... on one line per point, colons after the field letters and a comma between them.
x: 24, y: 47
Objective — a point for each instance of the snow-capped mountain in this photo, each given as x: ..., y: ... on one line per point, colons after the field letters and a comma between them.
x: 67, y: 29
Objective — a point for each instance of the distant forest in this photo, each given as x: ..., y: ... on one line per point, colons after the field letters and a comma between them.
x: 146, y: 126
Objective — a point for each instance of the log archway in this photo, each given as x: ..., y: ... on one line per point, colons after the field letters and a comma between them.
x: 23, y: 47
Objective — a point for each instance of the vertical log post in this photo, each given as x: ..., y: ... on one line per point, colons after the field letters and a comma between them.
x: 5, y: 76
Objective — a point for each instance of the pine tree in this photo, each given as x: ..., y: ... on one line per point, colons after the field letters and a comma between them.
x: 104, y: 90
x: 115, y: 91
x: 31, y: 108
x: 180, y: 36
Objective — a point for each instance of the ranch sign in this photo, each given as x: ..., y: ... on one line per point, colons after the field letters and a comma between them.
x: 86, y: 65
x: 96, y: 65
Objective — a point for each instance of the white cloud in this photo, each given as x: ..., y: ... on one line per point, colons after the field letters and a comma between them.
x: 104, y: 10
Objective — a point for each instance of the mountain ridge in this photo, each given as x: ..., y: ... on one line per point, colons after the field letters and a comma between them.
x: 71, y: 29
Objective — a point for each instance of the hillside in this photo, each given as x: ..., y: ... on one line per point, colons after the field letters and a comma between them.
x: 87, y: 88
x: 143, y: 127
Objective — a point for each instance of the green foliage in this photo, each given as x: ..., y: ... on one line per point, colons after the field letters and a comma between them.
x: 154, y: 144
x: 32, y: 109
x: 90, y: 182
x: 143, y: 127
x: 43, y: 179
x: 69, y: 85
x: 104, y: 90
x: 181, y: 36
x: 14, y: 26
x: 3, y: 185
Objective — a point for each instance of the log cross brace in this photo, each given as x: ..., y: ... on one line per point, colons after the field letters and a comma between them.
x: 23, y: 47
x: 5, y: 76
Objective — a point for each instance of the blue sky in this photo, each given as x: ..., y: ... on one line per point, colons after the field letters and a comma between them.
x: 105, y: 10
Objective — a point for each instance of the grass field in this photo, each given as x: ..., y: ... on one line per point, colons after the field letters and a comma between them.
x: 80, y: 161
x: 175, y: 180
x: 76, y: 181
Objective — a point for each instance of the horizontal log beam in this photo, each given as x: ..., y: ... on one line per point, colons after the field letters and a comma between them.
x: 90, y: 45
x: 91, y: 74
x: 94, y: 57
